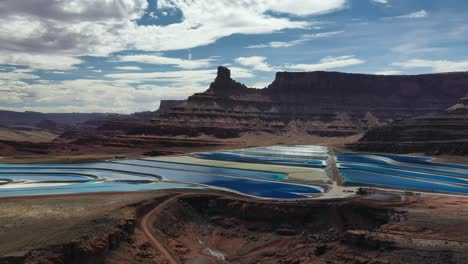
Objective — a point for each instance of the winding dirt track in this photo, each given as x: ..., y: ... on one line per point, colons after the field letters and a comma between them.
x: 150, y: 217
x: 146, y: 222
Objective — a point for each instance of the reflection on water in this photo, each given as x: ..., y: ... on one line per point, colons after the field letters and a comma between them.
x: 402, y: 172
x: 92, y: 187
x: 143, y: 175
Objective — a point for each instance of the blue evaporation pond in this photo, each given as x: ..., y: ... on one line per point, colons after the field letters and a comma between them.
x: 100, y: 174
x: 266, y: 160
x: 404, y: 173
x: 297, y: 149
x: 286, y: 154
x: 305, y: 146
x: 364, y: 159
x: 383, y: 161
x: 84, y: 167
x: 208, y: 169
x: 423, y: 161
x: 259, y: 188
x: 43, y: 177
x: 383, y: 180
x: 408, y: 159
x: 94, y: 187
x: 252, y: 187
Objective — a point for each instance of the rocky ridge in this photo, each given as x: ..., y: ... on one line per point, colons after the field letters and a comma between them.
x: 443, y: 133
x: 317, y: 103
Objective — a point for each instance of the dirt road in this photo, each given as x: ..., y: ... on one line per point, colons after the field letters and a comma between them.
x: 146, y: 223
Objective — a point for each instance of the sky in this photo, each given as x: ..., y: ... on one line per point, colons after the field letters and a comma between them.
x: 124, y: 56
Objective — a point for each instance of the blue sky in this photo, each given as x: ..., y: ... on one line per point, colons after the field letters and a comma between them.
x: 127, y: 55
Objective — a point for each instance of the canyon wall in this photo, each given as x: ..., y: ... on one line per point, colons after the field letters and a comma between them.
x: 443, y: 133
x: 319, y: 103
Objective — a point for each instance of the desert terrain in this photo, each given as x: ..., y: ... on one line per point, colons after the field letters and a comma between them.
x: 157, y: 145
x: 221, y: 131
x: 216, y: 227
x: 212, y: 224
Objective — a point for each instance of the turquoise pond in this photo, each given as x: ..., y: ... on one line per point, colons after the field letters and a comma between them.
x: 402, y: 172
x: 274, y: 160
x: 355, y: 169
x: 143, y: 175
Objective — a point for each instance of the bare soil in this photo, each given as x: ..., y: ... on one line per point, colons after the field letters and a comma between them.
x: 63, y: 152
x: 30, y: 135
x: 28, y: 222
x: 414, y: 229
x: 215, y: 227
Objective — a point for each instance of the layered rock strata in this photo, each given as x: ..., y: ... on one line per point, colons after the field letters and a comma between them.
x: 320, y: 103
x: 443, y: 133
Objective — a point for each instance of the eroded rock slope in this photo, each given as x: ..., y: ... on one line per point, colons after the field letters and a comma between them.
x: 318, y: 103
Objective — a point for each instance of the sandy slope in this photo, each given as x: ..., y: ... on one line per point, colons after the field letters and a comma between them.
x: 32, y: 135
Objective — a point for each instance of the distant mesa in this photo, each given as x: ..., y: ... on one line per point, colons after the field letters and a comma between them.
x: 52, y: 126
x: 327, y: 104
x: 316, y: 103
x: 442, y: 133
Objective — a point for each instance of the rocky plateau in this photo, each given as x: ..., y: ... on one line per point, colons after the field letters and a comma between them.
x: 317, y: 103
x: 442, y: 133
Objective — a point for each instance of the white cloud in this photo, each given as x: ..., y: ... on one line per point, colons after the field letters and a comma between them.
x: 9, y: 93
x: 128, y: 68
x: 327, y: 64
x: 304, y: 7
x: 123, y: 92
x: 157, y: 59
x: 50, y: 34
x: 380, y: 1
x: 194, y: 76
x: 18, y: 74
x: 38, y: 61
x: 87, y: 95
x: 415, y: 47
x: 256, y: 62
x: 305, y: 38
x: 293, y: 7
x: 206, y: 21
x: 152, y: 15
x: 434, y: 65
x: 172, y: 76
x: 278, y: 44
x: 389, y: 72
x: 259, y: 63
x: 237, y: 72
x: 259, y: 84
x: 322, y: 34
x: 418, y: 14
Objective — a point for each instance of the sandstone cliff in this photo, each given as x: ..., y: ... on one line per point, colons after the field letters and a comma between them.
x: 320, y: 103
x: 443, y: 133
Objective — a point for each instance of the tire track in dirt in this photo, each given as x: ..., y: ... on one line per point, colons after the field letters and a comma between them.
x: 146, y: 223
